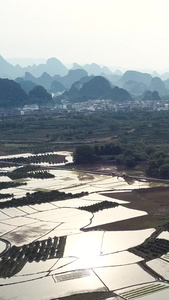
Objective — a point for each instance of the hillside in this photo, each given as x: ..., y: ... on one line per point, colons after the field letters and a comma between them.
x: 47, y: 80
x: 92, y: 69
x: 11, y: 94
x: 136, y: 76
x: 52, y: 66
x: 55, y: 77
x: 96, y: 87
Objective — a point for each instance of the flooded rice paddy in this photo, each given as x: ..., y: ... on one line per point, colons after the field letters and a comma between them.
x: 92, y: 261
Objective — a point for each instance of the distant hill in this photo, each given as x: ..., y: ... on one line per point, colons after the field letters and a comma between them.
x: 148, y: 95
x: 72, y: 76
x: 157, y: 84
x: 9, y: 71
x: 11, y: 94
x: 134, y: 87
x: 46, y: 80
x: 73, y: 92
x: 92, y: 69
x: 52, y: 66
x: 119, y: 95
x: 26, y: 85
x: 136, y: 76
x: 86, y: 78
x: 113, y: 78
x: 166, y: 82
x: 26, y: 61
x: 137, y: 83
x: 165, y: 76
x: 55, y: 77
x: 56, y: 87
x: 39, y: 95
x: 96, y: 88
x: 155, y: 74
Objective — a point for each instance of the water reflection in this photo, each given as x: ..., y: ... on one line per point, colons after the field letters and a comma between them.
x: 84, y: 245
x: 113, y: 215
x: 123, y: 276
x: 115, y: 259
x: 91, y: 260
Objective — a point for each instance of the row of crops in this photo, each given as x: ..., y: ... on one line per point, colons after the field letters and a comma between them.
x: 143, y: 290
x: 15, y: 259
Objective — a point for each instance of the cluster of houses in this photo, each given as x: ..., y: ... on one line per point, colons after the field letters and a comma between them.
x: 89, y: 107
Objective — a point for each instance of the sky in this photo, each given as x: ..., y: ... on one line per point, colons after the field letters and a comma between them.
x: 123, y: 34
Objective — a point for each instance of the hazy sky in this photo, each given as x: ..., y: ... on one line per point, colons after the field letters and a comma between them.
x: 131, y: 34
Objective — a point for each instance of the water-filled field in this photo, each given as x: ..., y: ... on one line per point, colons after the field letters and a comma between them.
x: 60, y: 250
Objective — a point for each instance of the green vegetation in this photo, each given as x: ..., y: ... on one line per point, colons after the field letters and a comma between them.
x: 40, y: 197
x: 122, y: 126
x: 4, y: 196
x: 36, y: 159
x: 119, y: 154
x: 40, y: 134
x: 158, y: 165
x: 11, y: 94
x: 99, y: 206
x: 84, y: 155
x: 151, y: 248
x: 39, y: 95
x: 41, y: 175
x: 14, y: 260
x: 6, y: 185
x: 131, y: 140
x: 141, y: 141
x: 29, y: 172
x: 143, y: 290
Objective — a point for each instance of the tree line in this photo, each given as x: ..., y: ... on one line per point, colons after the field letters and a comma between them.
x: 40, y: 197
x: 153, y: 162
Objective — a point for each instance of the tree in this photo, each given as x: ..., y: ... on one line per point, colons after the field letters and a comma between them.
x: 164, y: 171
x: 83, y: 155
x: 129, y: 161
x: 152, y: 169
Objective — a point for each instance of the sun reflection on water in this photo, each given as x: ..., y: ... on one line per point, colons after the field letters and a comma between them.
x: 86, y: 245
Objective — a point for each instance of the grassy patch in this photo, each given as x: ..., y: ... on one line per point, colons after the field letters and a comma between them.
x: 67, y: 178
x: 42, y: 190
x: 85, y: 176
x: 154, y: 201
x: 158, y: 184
x: 21, y: 180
